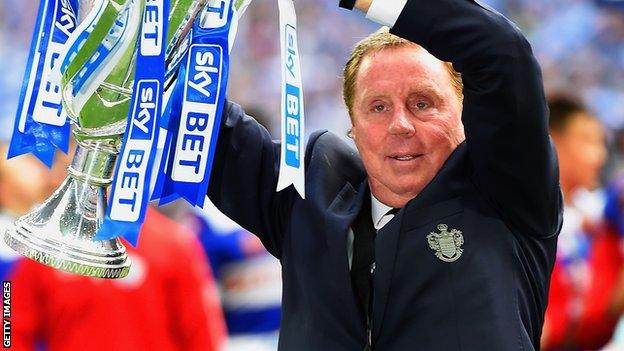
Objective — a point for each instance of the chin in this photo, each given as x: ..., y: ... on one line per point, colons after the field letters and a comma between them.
x: 411, y: 189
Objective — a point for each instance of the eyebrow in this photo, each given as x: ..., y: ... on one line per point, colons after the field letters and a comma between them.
x: 425, y: 90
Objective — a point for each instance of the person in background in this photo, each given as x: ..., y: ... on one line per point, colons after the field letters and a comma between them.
x: 168, y: 301
x: 21, y: 186
x: 614, y: 219
x: 249, y: 280
x: 580, y: 313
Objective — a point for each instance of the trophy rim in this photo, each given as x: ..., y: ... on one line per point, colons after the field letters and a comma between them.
x: 49, y: 252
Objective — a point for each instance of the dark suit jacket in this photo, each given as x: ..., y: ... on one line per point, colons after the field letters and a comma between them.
x: 499, y: 188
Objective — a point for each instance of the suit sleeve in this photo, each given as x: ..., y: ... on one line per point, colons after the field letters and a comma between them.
x: 505, y: 115
x: 244, y: 179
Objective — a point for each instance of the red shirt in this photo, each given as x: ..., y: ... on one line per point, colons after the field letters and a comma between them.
x: 594, y: 326
x: 167, y: 302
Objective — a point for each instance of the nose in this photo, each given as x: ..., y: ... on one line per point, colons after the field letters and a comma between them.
x: 400, y: 123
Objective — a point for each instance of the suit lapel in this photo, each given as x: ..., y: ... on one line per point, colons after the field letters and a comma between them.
x: 447, y: 183
x: 386, y: 245
x: 339, y: 216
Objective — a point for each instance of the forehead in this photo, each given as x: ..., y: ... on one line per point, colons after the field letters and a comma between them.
x: 582, y: 123
x: 409, y: 58
x: 406, y: 61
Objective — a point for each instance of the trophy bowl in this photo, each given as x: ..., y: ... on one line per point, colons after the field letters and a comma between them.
x: 60, y: 232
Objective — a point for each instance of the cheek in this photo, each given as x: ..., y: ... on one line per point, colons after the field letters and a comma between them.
x: 588, y: 154
x: 435, y: 135
x: 596, y: 156
x: 368, y: 137
x: 370, y: 145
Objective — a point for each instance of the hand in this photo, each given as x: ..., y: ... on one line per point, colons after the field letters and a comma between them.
x: 363, y: 5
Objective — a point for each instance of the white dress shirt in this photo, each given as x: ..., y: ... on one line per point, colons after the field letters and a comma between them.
x: 385, y: 12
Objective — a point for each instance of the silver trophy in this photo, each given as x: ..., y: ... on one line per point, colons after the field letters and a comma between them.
x: 59, y: 233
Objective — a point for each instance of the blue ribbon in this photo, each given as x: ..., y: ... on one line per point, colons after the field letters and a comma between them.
x: 84, y: 29
x: 112, y: 39
x: 41, y: 124
x: 195, y: 110
x: 130, y: 190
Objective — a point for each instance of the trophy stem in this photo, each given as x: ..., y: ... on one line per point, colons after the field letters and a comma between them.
x: 59, y: 233
x: 94, y: 162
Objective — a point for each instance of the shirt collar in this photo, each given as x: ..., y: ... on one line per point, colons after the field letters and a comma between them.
x: 379, y: 211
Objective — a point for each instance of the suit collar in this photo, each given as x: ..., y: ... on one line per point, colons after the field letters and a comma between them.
x: 378, y: 211
x: 447, y: 183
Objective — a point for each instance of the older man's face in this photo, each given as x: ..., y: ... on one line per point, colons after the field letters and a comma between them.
x: 406, y: 121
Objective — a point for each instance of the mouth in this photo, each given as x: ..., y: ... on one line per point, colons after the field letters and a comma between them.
x: 405, y: 157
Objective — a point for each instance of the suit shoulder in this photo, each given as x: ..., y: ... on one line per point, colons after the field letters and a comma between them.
x: 330, y: 155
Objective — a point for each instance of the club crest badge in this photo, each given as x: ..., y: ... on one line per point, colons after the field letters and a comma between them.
x: 446, y: 244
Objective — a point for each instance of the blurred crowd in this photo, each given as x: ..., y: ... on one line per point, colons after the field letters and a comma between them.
x: 228, y: 295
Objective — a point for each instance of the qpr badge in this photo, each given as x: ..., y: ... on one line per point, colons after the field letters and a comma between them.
x: 446, y: 244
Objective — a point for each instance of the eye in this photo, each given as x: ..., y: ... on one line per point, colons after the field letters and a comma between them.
x: 421, y: 105
x: 379, y: 108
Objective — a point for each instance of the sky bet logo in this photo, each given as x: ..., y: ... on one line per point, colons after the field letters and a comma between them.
x: 144, y: 110
x: 151, y: 31
x: 216, y: 14
x: 133, y: 164
x: 48, y: 107
x: 293, y: 119
x: 201, y: 93
x: 293, y: 99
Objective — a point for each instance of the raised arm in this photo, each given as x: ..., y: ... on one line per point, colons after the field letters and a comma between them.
x: 244, y: 178
x: 505, y: 114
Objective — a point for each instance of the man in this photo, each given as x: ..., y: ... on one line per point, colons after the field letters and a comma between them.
x: 580, y: 314
x: 464, y: 264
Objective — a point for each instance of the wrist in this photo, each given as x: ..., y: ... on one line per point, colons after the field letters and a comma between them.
x: 363, y: 5
x: 383, y: 12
